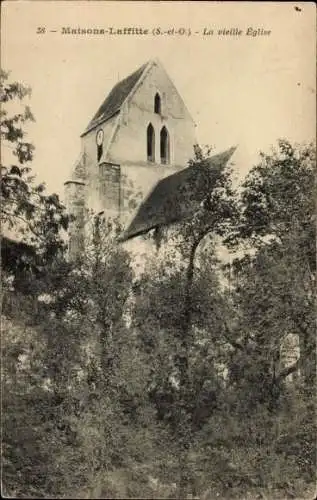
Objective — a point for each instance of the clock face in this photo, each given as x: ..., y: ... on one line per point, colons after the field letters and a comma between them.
x: 99, y: 137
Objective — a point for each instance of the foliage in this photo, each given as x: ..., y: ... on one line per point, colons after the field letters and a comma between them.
x: 89, y: 416
x: 278, y: 194
x: 272, y: 291
x: 275, y: 284
x: 118, y: 386
x: 32, y: 219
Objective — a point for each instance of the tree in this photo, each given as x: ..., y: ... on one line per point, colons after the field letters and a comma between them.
x: 33, y: 219
x: 272, y: 291
x: 278, y: 222
x: 175, y: 303
x: 83, y: 384
x: 195, y: 326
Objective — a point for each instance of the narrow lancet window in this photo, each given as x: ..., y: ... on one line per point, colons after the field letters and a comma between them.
x: 157, y: 104
x: 165, y: 146
x: 150, y: 143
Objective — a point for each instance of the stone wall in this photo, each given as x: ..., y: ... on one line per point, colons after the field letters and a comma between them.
x: 129, y: 141
x: 123, y: 177
x: 125, y: 143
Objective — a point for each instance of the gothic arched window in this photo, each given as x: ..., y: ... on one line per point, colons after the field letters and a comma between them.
x: 150, y: 139
x: 165, y: 146
x: 157, y: 104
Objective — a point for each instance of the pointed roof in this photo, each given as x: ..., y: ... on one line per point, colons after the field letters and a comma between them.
x: 113, y: 102
x: 178, y: 196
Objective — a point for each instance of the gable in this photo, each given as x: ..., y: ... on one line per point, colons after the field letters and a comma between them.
x: 156, y: 80
x: 129, y: 141
x: 129, y: 89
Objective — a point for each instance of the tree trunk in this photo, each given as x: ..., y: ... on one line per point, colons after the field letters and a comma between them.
x: 185, y: 420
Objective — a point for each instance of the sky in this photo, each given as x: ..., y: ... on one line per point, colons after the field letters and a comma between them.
x: 240, y: 90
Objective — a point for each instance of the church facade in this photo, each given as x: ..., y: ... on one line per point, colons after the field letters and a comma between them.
x: 141, y: 133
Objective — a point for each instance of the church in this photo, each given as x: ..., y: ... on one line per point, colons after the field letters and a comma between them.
x: 141, y: 133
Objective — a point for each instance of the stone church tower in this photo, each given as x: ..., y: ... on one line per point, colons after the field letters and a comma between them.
x: 141, y: 133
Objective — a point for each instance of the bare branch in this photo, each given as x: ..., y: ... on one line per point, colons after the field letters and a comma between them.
x: 287, y: 371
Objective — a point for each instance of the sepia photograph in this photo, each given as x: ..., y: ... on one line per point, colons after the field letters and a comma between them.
x: 158, y: 250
